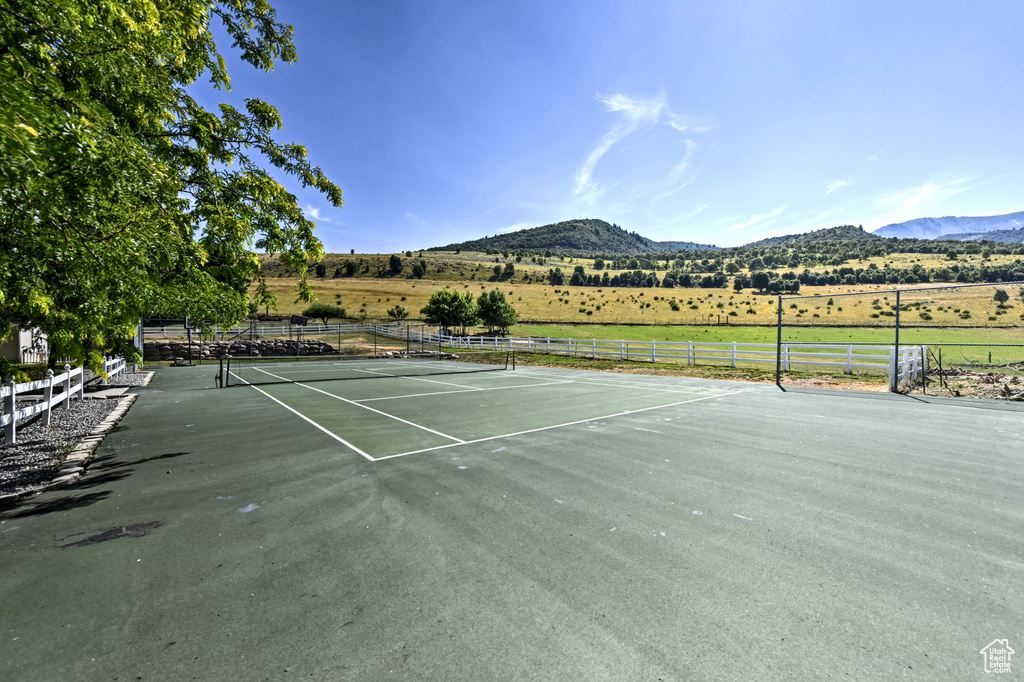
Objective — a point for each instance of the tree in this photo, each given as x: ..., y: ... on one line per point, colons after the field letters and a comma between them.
x: 398, y: 313
x: 395, y: 264
x: 496, y: 312
x: 321, y: 270
x: 1001, y: 297
x: 120, y: 196
x: 449, y: 309
x: 599, y: 264
x: 579, y: 276
x: 325, y: 311
x: 737, y: 283
x: 760, y: 280
x: 263, y: 296
x: 419, y: 269
x: 510, y: 271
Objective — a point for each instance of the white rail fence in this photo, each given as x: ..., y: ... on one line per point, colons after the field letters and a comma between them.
x: 65, y: 387
x: 11, y: 416
x: 902, y: 366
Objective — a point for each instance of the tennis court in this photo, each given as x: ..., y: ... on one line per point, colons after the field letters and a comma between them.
x: 525, y: 524
x: 422, y: 404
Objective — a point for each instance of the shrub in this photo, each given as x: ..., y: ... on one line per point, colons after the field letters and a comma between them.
x: 325, y: 311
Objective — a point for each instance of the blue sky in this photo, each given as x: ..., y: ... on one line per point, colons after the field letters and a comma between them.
x: 713, y: 122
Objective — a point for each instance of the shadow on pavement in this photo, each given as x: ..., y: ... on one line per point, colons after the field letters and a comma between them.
x: 53, y: 502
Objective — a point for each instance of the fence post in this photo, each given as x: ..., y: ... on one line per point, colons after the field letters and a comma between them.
x: 622, y: 350
x: 67, y: 387
x: 689, y: 353
x: 778, y: 348
x: 549, y: 345
x: 849, y: 358
x: 654, y: 352
x: 733, y: 353
x: 785, y: 358
x: 594, y: 356
x: 924, y: 368
x: 48, y: 397
x: 893, y: 369
x: 9, y: 430
x: 895, y: 380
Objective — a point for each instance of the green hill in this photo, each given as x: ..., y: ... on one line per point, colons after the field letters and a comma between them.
x: 842, y: 233
x: 578, y: 237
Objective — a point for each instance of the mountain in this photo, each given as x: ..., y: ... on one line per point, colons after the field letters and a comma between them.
x: 997, y: 236
x: 580, y: 236
x: 935, y: 228
x: 842, y: 233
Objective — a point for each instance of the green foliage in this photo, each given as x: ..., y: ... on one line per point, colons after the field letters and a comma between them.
x: 496, y: 312
x: 450, y: 309
x: 572, y: 237
x: 398, y: 313
x: 263, y: 296
x: 8, y: 368
x: 1001, y: 296
x: 760, y: 280
x: 120, y: 196
x: 325, y: 311
x: 395, y: 264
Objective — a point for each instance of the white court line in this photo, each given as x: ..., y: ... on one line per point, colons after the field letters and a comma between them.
x: 626, y: 384
x: 412, y: 378
x: 556, y: 426
x: 468, y: 390
x: 302, y: 416
x: 383, y: 414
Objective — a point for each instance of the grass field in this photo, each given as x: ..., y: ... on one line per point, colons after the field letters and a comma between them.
x: 870, y: 305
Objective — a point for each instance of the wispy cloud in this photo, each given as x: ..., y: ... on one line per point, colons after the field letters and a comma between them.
x: 416, y: 219
x: 836, y: 184
x: 634, y: 114
x: 313, y: 213
x: 693, y: 123
x: 874, y: 157
x: 515, y: 228
x: 761, y: 219
x: 910, y: 203
x: 696, y: 211
x: 676, y: 173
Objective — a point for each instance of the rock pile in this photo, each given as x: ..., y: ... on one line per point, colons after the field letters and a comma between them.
x: 171, y: 350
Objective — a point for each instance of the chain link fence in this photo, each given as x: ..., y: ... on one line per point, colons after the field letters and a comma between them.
x: 965, y: 340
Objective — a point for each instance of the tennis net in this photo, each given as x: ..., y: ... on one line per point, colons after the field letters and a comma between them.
x: 258, y: 370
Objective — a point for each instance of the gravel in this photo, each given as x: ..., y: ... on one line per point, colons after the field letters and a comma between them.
x: 32, y: 461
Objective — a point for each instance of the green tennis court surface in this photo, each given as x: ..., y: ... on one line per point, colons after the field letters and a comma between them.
x: 528, y: 524
x: 395, y: 416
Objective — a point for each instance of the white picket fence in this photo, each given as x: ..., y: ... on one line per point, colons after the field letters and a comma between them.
x: 11, y: 416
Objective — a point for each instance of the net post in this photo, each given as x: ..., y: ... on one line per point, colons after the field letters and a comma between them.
x: 778, y: 348
x: 894, y: 377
